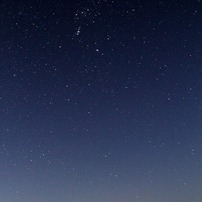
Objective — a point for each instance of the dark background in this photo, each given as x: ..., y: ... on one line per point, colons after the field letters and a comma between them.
x: 100, y: 101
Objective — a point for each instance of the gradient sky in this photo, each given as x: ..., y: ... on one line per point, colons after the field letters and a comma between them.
x: 100, y: 101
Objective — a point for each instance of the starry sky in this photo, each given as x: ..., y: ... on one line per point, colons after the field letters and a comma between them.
x: 100, y: 101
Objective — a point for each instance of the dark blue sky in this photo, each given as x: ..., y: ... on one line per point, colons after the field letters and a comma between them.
x: 100, y: 101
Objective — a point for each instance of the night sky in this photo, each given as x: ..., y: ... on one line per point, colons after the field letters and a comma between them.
x: 100, y: 101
